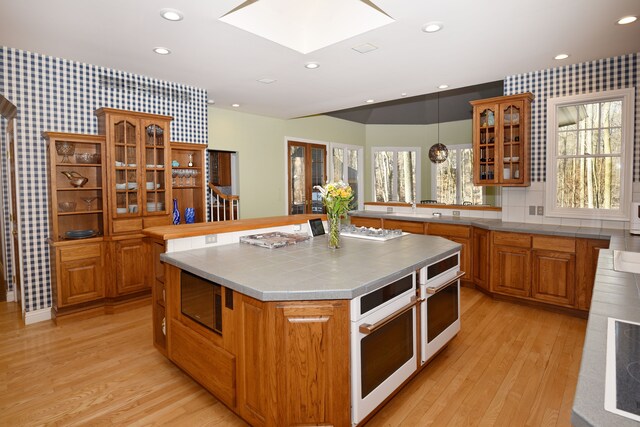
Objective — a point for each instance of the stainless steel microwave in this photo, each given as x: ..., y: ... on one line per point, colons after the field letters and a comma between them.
x: 201, y: 301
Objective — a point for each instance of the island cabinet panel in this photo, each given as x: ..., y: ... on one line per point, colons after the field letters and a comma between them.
x: 480, y: 258
x: 586, y: 264
x: 408, y: 226
x: 361, y: 221
x: 553, y: 277
x: 312, y: 363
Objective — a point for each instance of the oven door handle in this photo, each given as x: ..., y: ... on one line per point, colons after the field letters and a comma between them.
x: 366, y: 328
x: 434, y: 290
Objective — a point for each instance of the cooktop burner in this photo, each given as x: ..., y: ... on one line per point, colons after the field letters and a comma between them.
x: 380, y: 234
x: 622, y: 393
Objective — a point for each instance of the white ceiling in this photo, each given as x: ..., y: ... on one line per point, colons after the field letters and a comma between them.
x: 482, y: 41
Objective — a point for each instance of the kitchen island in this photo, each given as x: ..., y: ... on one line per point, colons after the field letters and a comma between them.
x: 278, y: 351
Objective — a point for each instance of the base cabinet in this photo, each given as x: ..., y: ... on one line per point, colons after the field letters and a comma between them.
x: 361, y: 221
x: 586, y: 264
x: 459, y: 234
x: 480, y: 257
x: 553, y: 277
x: 129, y: 257
x: 511, y: 272
x: 80, y: 274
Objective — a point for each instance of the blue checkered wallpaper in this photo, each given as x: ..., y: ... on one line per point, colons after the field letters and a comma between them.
x: 595, y: 76
x: 54, y: 94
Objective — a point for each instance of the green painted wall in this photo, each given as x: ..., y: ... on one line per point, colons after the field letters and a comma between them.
x: 261, y: 143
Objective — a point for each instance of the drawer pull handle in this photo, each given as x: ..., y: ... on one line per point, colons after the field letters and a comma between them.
x: 366, y: 328
x: 434, y: 290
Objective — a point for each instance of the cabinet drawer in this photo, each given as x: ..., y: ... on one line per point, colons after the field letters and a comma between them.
x: 512, y: 239
x: 408, y: 226
x: 557, y: 244
x: 155, y: 221
x: 127, y: 225
x: 73, y: 253
x: 449, y: 230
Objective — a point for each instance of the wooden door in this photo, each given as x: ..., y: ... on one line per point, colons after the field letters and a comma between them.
x: 553, y: 276
x: 307, y: 168
x: 485, y: 144
x: 312, y: 363
x: 130, y: 272
x: 511, y: 270
x: 481, y: 258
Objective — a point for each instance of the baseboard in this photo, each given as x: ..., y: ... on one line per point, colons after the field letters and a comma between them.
x: 37, y: 316
x: 11, y: 296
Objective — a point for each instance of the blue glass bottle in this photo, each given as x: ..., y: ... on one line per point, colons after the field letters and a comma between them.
x: 176, y: 212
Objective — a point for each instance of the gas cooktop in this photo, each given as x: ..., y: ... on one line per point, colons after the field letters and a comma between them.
x: 370, y: 233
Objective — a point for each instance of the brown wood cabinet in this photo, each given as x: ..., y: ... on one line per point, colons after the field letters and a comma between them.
x: 79, y: 273
x: 407, y: 226
x: 501, y: 132
x: 130, y: 271
x: 188, y: 182
x: 459, y: 234
x: 481, y: 257
x: 275, y: 363
x: 363, y: 221
x: 511, y: 264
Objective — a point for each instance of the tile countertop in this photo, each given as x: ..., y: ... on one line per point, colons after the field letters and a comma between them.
x: 310, y: 270
x: 615, y: 294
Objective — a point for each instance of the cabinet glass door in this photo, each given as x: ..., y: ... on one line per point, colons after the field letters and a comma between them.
x: 511, y: 146
x: 126, y: 168
x: 485, y: 163
x: 154, y: 169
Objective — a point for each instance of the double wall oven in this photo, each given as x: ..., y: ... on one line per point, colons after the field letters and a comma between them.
x: 387, y: 346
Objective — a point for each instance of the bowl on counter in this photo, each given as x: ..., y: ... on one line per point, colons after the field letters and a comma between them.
x: 67, y: 206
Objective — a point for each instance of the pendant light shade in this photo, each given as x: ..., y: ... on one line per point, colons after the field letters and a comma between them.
x: 438, y: 152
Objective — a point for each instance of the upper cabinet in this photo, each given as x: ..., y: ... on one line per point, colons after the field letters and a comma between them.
x: 138, y: 167
x: 501, y: 132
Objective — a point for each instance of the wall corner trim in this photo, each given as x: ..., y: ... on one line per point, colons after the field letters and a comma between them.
x: 36, y: 316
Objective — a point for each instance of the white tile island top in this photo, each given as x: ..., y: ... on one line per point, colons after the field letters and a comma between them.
x: 310, y: 270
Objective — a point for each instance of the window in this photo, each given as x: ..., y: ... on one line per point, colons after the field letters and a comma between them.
x: 347, y: 165
x: 589, y: 154
x: 452, y: 180
x: 396, y: 174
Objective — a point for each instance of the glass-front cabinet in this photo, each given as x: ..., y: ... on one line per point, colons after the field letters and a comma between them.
x: 501, y: 131
x: 137, y: 166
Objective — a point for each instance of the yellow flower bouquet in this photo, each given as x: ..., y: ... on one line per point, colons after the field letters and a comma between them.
x: 337, y: 198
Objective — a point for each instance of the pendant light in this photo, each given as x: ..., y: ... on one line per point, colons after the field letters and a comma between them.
x: 438, y: 152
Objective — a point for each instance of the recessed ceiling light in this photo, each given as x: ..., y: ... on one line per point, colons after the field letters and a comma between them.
x: 561, y: 56
x: 432, y: 27
x: 443, y: 86
x: 211, y: 101
x: 627, y: 20
x: 171, y: 14
x: 235, y: 105
x: 370, y: 101
x: 267, y: 81
x: 311, y: 65
x: 161, y: 50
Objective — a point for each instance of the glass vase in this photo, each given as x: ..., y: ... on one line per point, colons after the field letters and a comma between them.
x: 176, y: 212
x: 333, y: 220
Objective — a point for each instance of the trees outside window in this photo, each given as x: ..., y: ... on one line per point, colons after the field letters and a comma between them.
x: 452, y: 180
x: 396, y: 174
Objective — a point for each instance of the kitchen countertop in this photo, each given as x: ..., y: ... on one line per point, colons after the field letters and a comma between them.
x: 498, y: 225
x: 310, y: 270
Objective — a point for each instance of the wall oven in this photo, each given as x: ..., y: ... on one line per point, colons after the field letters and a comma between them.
x: 383, y: 343
x: 440, y: 307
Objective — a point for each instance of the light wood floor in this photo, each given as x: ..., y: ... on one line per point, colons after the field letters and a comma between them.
x: 510, y: 365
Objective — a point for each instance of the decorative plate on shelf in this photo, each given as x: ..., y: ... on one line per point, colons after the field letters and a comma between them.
x: 80, y: 234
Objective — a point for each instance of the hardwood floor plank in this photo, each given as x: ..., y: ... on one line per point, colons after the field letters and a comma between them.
x: 509, y: 365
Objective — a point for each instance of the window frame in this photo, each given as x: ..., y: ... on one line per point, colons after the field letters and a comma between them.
x: 434, y: 175
x: 360, y: 149
x: 627, y: 96
x: 394, y: 184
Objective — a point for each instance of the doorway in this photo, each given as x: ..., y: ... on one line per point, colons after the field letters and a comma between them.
x: 223, y: 174
x: 307, y: 167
